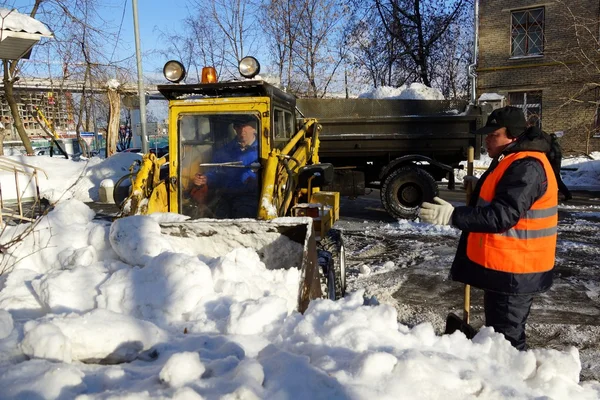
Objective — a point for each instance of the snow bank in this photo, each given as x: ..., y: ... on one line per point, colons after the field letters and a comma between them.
x: 414, y: 91
x: 94, y: 310
x: 62, y: 179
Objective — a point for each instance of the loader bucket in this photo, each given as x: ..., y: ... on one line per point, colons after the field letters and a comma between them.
x: 280, y: 243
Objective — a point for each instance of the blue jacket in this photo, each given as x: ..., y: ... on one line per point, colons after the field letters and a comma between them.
x: 233, y: 177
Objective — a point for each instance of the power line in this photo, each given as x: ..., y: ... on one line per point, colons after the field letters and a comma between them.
x: 119, y: 32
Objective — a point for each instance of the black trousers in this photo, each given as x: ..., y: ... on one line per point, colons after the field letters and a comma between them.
x: 507, y: 315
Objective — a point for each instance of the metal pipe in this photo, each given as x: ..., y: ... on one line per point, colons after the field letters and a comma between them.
x: 141, y: 94
x: 473, y: 65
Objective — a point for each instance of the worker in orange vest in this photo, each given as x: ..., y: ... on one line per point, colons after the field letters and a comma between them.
x: 508, y: 242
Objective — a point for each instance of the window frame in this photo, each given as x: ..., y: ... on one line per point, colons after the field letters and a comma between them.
x: 528, y: 27
x: 288, y: 121
x: 527, y: 106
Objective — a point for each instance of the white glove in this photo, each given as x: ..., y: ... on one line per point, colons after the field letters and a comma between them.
x: 438, y: 214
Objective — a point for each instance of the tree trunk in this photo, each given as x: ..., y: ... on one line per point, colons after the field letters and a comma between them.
x: 3, y: 133
x: 14, y: 109
x: 114, y: 112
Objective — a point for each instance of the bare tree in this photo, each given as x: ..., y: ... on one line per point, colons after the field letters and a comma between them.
x: 418, y: 25
x: 80, y: 42
x: 452, y: 55
x: 199, y: 45
x: 577, y: 54
x: 279, y: 20
x: 10, y: 76
x: 320, y: 46
x: 114, y: 115
x: 375, y: 52
x: 234, y: 21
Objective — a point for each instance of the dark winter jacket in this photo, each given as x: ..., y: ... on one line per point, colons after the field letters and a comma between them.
x: 231, y: 177
x: 522, y: 184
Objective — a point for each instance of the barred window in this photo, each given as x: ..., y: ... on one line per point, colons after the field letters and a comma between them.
x: 531, y: 102
x: 527, y: 32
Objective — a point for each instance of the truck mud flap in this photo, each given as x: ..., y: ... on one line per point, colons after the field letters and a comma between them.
x: 280, y: 243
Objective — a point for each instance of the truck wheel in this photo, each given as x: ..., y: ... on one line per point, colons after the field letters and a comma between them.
x: 405, y: 189
x: 332, y: 260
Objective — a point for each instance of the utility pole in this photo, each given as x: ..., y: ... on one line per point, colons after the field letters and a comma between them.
x: 141, y: 93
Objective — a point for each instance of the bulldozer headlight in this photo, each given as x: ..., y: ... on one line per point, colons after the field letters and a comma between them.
x: 249, y: 67
x: 174, y: 71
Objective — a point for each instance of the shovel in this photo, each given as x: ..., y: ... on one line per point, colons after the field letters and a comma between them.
x: 454, y: 322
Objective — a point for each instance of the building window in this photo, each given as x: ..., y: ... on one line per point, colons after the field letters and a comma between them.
x: 527, y: 32
x: 531, y: 102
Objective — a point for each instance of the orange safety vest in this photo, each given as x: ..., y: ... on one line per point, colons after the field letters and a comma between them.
x: 530, y: 245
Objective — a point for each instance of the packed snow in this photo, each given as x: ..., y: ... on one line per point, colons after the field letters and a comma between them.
x: 491, y: 97
x: 413, y: 91
x: 150, y: 307
x: 14, y: 21
x: 61, y: 179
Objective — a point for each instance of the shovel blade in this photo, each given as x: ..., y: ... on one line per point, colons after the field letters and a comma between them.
x: 455, y: 323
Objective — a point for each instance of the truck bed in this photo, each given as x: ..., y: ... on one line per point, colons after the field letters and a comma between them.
x: 369, y: 128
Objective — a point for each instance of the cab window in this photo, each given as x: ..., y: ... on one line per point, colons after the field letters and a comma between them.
x: 219, y: 165
x: 282, y: 127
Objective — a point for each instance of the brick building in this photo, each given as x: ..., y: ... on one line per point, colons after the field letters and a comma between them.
x: 544, y: 56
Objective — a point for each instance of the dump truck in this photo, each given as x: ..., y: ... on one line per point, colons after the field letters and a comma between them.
x: 401, y: 147
x: 245, y: 200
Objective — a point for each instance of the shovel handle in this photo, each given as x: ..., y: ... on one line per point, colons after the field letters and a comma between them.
x: 470, y: 160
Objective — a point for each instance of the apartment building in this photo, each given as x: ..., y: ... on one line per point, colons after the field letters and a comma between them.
x: 544, y: 56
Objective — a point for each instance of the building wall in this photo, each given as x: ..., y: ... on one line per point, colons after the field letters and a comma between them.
x: 561, y: 73
x: 56, y: 106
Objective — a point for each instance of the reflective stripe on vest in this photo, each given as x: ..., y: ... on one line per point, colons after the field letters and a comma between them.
x: 530, y: 245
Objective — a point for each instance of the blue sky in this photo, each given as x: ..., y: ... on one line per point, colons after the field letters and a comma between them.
x: 154, y: 16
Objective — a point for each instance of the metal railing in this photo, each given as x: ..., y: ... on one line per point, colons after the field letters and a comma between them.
x: 31, y: 183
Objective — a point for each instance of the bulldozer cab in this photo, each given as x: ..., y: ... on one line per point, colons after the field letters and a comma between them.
x: 219, y: 169
x: 236, y: 150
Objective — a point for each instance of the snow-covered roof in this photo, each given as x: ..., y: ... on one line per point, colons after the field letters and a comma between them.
x: 14, y: 21
x: 491, y: 97
x: 19, y: 33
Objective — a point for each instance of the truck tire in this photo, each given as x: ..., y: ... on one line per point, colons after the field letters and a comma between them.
x: 405, y: 189
x: 332, y: 260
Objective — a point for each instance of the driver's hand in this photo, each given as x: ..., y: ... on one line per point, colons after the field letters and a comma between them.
x: 200, y: 179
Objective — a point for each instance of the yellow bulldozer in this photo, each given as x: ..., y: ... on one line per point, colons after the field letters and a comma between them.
x: 241, y: 158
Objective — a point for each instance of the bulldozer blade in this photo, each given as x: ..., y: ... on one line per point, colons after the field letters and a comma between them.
x: 280, y: 243
x: 455, y: 323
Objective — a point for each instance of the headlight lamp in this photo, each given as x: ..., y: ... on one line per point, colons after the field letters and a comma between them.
x: 249, y: 67
x: 174, y: 71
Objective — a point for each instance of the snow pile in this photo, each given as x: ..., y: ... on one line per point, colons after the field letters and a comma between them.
x: 581, y: 171
x: 414, y: 91
x: 130, y: 310
x: 113, y: 84
x: 59, y: 178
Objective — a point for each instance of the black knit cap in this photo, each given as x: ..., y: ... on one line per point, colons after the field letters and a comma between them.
x: 511, y: 118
